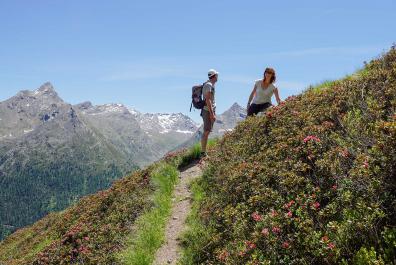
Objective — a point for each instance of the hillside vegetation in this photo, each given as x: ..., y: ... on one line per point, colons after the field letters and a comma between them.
x: 39, y: 181
x: 99, y: 229
x: 311, y: 182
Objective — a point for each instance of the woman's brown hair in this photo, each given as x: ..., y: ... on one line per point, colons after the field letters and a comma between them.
x: 271, y: 71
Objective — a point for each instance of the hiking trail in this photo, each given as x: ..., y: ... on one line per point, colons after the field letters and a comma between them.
x: 169, y: 252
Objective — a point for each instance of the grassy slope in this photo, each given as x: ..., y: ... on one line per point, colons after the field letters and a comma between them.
x: 90, y: 231
x: 312, y: 182
x: 149, y: 231
x: 99, y: 228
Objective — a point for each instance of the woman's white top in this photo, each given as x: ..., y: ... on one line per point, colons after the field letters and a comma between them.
x: 263, y: 95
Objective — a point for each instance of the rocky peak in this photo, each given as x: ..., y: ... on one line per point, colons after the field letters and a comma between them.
x: 234, y: 112
x: 46, y: 89
x: 236, y: 107
x: 45, y: 93
x: 84, y: 105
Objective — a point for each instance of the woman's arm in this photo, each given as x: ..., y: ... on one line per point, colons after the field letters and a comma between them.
x: 277, y: 95
x: 251, y: 95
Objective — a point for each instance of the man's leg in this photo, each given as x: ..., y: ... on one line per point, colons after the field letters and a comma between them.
x: 204, y: 141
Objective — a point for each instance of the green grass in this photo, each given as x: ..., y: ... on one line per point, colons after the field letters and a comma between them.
x: 326, y: 84
x: 14, y: 247
x: 194, y: 153
x: 212, y: 142
x: 197, y: 232
x: 150, y: 227
x: 321, y: 87
x: 40, y: 246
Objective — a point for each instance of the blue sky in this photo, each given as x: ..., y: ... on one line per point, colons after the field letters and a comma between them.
x: 148, y: 54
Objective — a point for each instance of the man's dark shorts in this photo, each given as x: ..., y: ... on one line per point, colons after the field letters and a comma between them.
x: 208, y: 124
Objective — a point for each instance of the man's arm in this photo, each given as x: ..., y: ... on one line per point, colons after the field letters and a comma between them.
x: 208, y: 100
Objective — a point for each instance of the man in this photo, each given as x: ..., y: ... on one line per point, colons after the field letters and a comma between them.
x: 208, y: 112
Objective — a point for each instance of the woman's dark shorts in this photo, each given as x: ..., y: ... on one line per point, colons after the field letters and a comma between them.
x: 256, y: 108
x: 208, y: 124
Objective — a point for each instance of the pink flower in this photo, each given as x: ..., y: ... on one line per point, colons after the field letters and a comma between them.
x: 365, y: 164
x: 316, y: 205
x: 311, y: 138
x: 86, y: 238
x: 223, y: 255
x: 256, y: 217
x: 289, y: 204
x: 250, y: 245
x: 276, y: 230
x: 325, y: 238
x: 289, y: 214
x: 344, y: 153
x: 265, y: 232
x: 290, y: 98
x: 331, y: 245
x: 285, y: 244
x: 334, y: 187
x: 274, y: 213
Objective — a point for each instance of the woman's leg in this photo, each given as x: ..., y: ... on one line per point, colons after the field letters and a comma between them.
x: 254, y: 109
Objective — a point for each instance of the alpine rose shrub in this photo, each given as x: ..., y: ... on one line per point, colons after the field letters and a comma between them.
x: 311, y: 182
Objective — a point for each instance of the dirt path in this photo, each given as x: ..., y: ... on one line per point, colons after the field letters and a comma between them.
x: 170, y: 250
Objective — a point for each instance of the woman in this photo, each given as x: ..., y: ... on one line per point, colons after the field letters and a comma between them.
x: 262, y: 92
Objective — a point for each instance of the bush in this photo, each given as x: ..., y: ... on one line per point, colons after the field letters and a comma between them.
x: 311, y: 182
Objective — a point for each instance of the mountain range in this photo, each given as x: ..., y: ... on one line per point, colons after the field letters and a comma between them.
x: 53, y: 152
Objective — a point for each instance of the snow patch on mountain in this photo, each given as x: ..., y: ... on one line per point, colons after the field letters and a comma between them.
x: 165, y: 123
x: 225, y: 130
x: 186, y: 132
x: 133, y: 111
x: 109, y: 108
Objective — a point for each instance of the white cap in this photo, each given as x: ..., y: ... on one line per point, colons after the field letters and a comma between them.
x: 212, y: 72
